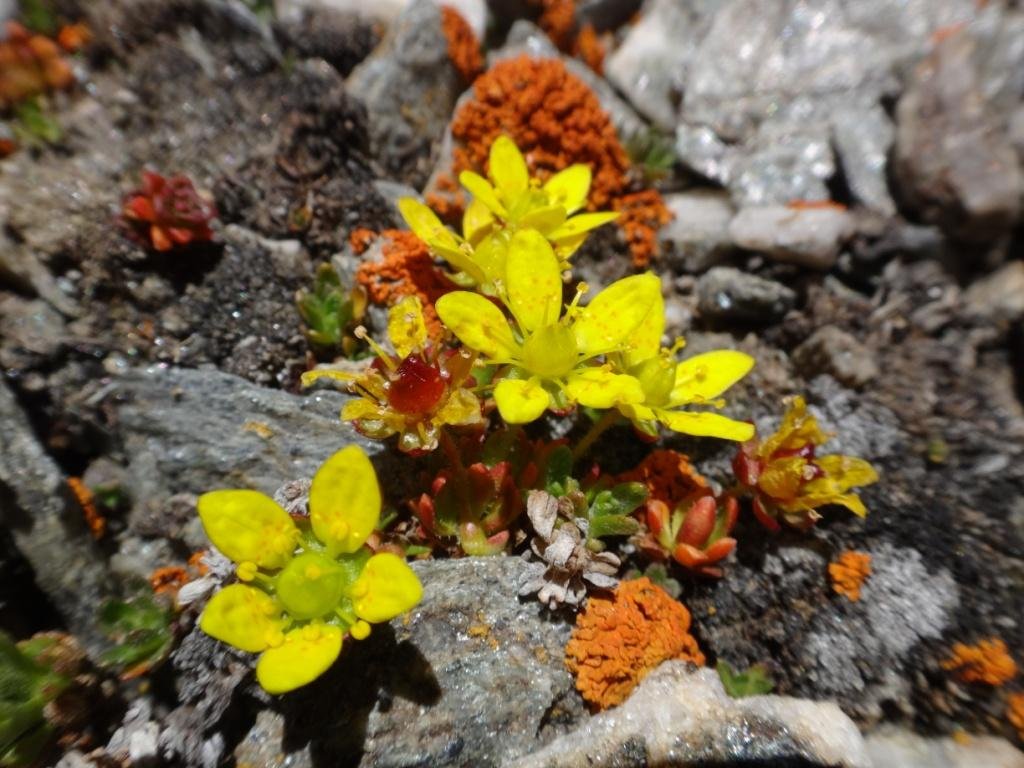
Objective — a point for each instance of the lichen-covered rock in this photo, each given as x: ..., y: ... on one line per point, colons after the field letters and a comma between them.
x: 677, y: 718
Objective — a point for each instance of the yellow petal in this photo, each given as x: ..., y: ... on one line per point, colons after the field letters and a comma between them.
x: 610, y: 320
x: 482, y: 190
x: 581, y: 223
x: 704, y: 377
x: 520, y: 401
x: 244, y: 617
x: 569, y: 188
x: 461, y: 408
x: 706, y: 424
x: 406, y: 326
x: 306, y: 653
x: 478, y: 324
x: 425, y: 224
x: 310, y: 376
x: 567, y: 247
x: 477, y: 221
x: 344, y: 500
x: 361, y: 408
x: 798, y: 428
x: 645, y: 342
x: 844, y: 472
x: 490, y: 255
x: 544, y: 220
x: 533, y: 281
x: 248, y: 526
x: 507, y: 168
x: 782, y: 478
x: 386, y: 588
x: 602, y: 388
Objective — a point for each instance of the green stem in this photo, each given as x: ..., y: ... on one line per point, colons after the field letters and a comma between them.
x: 607, y: 421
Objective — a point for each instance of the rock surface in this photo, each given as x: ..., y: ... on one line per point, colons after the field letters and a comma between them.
x: 897, y: 748
x: 835, y: 352
x: 473, y: 677
x: 678, y: 717
x: 726, y: 293
x: 810, y: 237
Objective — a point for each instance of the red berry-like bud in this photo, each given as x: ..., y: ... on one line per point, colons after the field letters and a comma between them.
x: 699, y: 522
x: 416, y: 387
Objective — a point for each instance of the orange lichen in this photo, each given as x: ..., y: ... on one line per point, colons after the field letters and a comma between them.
x: 96, y: 522
x: 618, y: 640
x: 73, y: 37
x: 669, y: 476
x: 405, y: 269
x: 849, y: 572
x: 463, y: 47
x: 558, y: 19
x: 360, y: 238
x: 815, y: 205
x: 30, y: 65
x: 195, y: 562
x: 642, y: 214
x: 1015, y: 712
x: 551, y: 115
x: 589, y: 48
x: 168, y: 580
x: 987, y: 661
x: 449, y: 200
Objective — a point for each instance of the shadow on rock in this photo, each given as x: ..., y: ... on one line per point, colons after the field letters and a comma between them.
x: 331, y: 714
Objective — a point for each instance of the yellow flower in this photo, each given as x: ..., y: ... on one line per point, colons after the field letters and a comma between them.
x: 309, y: 587
x: 508, y: 203
x: 668, y: 386
x: 790, y: 482
x: 548, y: 351
x: 413, y: 393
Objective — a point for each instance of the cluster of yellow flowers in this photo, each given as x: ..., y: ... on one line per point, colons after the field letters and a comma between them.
x: 535, y: 351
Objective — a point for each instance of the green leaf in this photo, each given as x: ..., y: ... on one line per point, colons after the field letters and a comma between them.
x: 33, y: 126
x: 328, y: 310
x: 39, y: 16
x: 753, y: 682
x: 558, y: 472
x: 612, y: 525
x: 140, y: 630
x: 623, y: 499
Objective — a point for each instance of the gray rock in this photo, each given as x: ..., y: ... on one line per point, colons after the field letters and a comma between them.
x: 29, y: 329
x: 651, y: 63
x: 998, y: 297
x: 899, y: 748
x: 697, y: 237
x: 472, y: 677
x: 726, y: 293
x: 863, y: 135
x: 47, y: 527
x: 835, y: 352
x: 191, y: 431
x: 606, y: 14
x: 782, y: 163
x: 700, y: 150
x: 409, y: 86
x: 955, y: 162
x: 810, y: 237
x: 677, y: 716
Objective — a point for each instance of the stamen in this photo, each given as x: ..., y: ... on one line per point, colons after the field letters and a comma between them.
x: 362, y: 334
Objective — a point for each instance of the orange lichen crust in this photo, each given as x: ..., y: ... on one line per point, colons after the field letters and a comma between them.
x: 618, y: 640
x: 168, y: 580
x: 449, y: 201
x: 815, y: 205
x: 1015, y: 712
x: 96, y: 522
x: 558, y: 20
x: 406, y: 269
x: 987, y: 661
x: 30, y: 65
x: 642, y: 214
x: 463, y: 47
x: 849, y: 572
x: 551, y: 115
x: 360, y: 238
x: 669, y: 477
x: 74, y: 37
x: 590, y: 49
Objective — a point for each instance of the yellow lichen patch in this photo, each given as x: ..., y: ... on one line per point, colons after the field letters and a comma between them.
x: 618, y: 640
x: 988, y: 661
x: 849, y: 572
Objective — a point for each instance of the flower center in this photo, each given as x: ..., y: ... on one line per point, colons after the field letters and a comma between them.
x: 310, y: 586
x: 416, y: 387
x: 657, y: 377
x: 551, y: 352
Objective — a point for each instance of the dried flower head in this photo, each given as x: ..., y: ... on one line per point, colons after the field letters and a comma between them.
x: 789, y: 481
x: 619, y: 639
x: 169, y: 212
x: 412, y: 393
x: 988, y: 661
x: 567, y: 565
x: 849, y: 573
